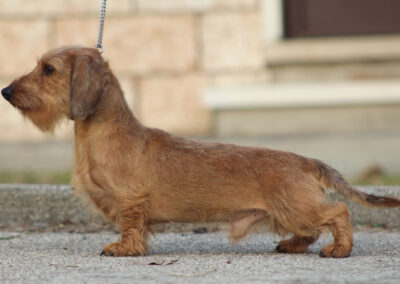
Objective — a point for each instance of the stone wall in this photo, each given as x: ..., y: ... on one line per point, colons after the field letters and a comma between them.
x: 167, y: 53
x: 164, y: 52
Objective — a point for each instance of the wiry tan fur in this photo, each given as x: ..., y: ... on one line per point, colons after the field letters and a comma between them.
x: 138, y: 176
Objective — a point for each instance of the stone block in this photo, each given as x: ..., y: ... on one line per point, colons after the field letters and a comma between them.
x: 139, y: 45
x: 173, y: 5
x: 57, y: 7
x: 337, y: 72
x: 193, y: 5
x: 236, y: 4
x: 232, y: 41
x: 21, y: 43
x: 240, y: 78
x: 66, y: 32
x: 308, y: 121
x: 174, y: 104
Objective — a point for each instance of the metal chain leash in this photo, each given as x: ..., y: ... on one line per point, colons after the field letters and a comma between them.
x: 99, y: 44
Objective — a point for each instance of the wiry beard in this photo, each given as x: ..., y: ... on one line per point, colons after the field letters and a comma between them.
x: 46, y: 119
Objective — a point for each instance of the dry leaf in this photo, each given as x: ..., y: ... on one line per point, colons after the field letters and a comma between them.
x: 163, y: 262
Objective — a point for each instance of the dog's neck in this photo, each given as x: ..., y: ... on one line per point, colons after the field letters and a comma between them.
x: 112, y: 115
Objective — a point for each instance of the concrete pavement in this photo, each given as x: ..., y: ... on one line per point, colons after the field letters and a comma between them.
x: 194, y: 258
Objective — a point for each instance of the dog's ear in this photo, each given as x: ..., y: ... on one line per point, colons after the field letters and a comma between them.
x: 86, y: 87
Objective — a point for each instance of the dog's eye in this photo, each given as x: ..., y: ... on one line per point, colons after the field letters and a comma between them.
x: 47, y: 69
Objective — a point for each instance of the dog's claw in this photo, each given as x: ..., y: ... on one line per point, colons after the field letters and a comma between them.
x: 335, y: 252
x: 321, y: 254
x: 280, y: 249
x: 103, y: 253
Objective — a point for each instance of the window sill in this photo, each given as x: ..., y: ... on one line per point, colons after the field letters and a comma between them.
x: 334, y: 50
x: 300, y: 95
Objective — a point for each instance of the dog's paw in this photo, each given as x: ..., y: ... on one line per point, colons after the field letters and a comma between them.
x: 119, y: 249
x: 286, y: 246
x: 335, y: 251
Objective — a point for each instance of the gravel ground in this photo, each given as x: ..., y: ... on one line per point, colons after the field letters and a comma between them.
x: 193, y: 258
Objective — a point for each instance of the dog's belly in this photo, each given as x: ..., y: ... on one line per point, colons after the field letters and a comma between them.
x: 199, y: 208
x: 188, y: 215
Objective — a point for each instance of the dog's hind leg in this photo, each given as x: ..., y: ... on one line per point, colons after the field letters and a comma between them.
x: 336, y: 217
x: 296, y: 244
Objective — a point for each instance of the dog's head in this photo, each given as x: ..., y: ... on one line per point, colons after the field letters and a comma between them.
x: 66, y: 83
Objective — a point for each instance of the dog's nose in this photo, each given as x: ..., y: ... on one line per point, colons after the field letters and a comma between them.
x: 7, y: 92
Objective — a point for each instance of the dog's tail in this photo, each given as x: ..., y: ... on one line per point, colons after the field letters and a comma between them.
x: 331, y: 178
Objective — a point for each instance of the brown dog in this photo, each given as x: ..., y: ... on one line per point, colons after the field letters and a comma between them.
x: 138, y: 176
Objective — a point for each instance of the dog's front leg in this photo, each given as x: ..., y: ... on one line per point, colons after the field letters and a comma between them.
x: 134, y: 229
